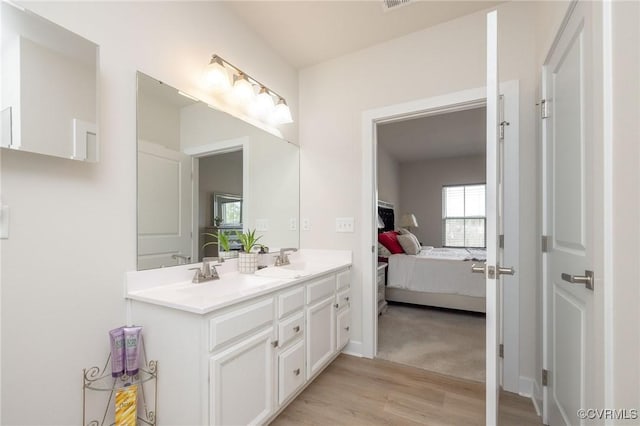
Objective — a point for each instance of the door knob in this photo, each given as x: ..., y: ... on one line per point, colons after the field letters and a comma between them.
x: 586, y: 279
x: 478, y: 269
x: 505, y: 271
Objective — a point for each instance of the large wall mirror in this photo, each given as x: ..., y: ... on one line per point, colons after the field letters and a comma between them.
x: 200, y: 171
x: 49, y: 102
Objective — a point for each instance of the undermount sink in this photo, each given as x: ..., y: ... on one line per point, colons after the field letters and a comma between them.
x: 292, y: 271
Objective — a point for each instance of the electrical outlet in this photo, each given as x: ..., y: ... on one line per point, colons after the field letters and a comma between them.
x: 293, y: 224
x: 345, y: 224
x: 306, y: 224
x: 262, y: 225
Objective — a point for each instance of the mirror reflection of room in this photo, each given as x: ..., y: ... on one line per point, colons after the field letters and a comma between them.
x: 202, y: 172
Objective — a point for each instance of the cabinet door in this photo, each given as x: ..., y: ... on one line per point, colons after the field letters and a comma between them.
x: 290, y: 371
x: 241, y: 382
x: 321, y: 341
x: 343, y: 325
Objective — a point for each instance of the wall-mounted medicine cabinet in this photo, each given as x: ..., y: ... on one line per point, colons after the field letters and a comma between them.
x: 49, y: 87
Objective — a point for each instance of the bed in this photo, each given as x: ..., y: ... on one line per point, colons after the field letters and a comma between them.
x: 437, y: 277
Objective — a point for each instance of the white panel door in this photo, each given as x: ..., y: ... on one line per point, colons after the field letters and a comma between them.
x: 493, y: 224
x: 164, y: 205
x: 568, y: 219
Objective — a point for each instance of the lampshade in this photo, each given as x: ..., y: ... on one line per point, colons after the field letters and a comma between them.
x: 282, y: 114
x: 217, y: 75
x: 380, y: 222
x: 242, y: 91
x: 408, y: 220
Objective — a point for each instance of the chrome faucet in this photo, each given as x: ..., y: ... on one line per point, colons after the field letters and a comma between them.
x: 283, y: 258
x: 208, y: 272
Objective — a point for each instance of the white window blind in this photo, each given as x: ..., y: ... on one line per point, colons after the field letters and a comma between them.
x: 464, y: 216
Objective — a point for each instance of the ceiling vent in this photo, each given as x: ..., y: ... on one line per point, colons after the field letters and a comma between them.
x: 388, y: 5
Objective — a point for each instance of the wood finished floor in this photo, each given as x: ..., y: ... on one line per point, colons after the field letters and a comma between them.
x: 359, y: 391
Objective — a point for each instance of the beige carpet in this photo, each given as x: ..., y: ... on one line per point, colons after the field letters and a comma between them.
x: 444, y: 341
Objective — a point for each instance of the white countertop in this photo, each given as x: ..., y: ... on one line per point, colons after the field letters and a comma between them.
x: 172, y: 287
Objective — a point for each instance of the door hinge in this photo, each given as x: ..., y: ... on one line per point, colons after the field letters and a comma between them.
x: 544, y: 109
x: 545, y: 243
x: 502, y: 124
x: 501, y: 350
x: 545, y: 377
x: 373, y: 249
x: 501, y: 241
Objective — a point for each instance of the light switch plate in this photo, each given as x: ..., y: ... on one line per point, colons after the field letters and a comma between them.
x: 306, y: 224
x: 293, y: 224
x: 345, y: 224
x: 262, y: 225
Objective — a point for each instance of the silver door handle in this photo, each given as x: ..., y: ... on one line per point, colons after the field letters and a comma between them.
x: 586, y: 279
x: 478, y: 269
x: 505, y: 271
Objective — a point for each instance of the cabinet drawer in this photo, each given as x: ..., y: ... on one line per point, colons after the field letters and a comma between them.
x: 290, y: 329
x: 342, y: 299
x: 321, y: 288
x: 343, y: 279
x: 290, y: 301
x: 239, y: 322
x: 290, y: 371
x: 343, y: 322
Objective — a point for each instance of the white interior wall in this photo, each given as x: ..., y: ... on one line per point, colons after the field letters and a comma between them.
x: 439, y: 60
x: 73, y: 232
x: 388, y: 178
x: 421, y: 185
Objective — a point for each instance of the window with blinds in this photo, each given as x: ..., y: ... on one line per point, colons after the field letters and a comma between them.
x: 464, y: 216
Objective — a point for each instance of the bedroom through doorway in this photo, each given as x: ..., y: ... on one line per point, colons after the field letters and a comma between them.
x: 431, y: 229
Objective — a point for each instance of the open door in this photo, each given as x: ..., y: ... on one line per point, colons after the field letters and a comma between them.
x: 492, y: 268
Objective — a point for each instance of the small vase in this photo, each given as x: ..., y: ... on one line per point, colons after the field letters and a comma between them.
x: 247, y: 263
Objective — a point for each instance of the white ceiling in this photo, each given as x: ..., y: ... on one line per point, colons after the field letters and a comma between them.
x: 453, y: 134
x: 308, y: 32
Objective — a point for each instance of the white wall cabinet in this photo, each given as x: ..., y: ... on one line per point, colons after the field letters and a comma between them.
x: 244, y: 363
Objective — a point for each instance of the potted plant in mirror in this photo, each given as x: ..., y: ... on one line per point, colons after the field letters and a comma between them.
x: 224, y: 252
x: 248, y: 261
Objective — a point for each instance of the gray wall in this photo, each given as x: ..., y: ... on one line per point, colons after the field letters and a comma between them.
x: 421, y: 185
x: 388, y: 178
x: 218, y: 173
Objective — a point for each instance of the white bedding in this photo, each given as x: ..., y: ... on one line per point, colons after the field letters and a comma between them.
x: 438, y: 270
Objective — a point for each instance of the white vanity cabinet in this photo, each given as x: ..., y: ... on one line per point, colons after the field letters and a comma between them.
x: 243, y: 363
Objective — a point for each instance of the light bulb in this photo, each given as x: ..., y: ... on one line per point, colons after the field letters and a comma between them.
x: 282, y: 113
x: 242, y: 92
x: 217, y: 75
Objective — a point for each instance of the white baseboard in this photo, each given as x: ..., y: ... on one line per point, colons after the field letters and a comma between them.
x: 353, y: 348
x: 531, y: 389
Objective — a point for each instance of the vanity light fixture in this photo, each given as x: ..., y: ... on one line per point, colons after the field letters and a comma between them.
x: 219, y: 75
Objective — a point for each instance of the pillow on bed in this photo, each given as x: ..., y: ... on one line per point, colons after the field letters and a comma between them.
x: 389, y: 239
x: 383, y: 251
x: 409, y: 243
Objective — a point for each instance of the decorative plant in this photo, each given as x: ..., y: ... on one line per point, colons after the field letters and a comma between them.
x: 220, y: 237
x: 248, y: 240
x: 224, y: 240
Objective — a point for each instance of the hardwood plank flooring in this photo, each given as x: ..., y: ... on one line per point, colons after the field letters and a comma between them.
x: 360, y: 391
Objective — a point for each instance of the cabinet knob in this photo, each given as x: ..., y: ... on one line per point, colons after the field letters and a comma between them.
x: 274, y: 343
x: 296, y: 329
x: 336, y: 306
x: 347, y: 328
x: 296, y: 371
x: 347, y: 298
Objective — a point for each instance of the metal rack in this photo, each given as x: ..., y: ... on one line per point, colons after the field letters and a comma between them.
x: 100, y: 380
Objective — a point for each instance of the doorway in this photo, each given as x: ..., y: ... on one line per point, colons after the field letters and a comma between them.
x: 431, y: 189
x: 458, y: 101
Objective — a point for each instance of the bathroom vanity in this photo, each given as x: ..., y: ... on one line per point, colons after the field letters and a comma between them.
x: 239, y: 349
